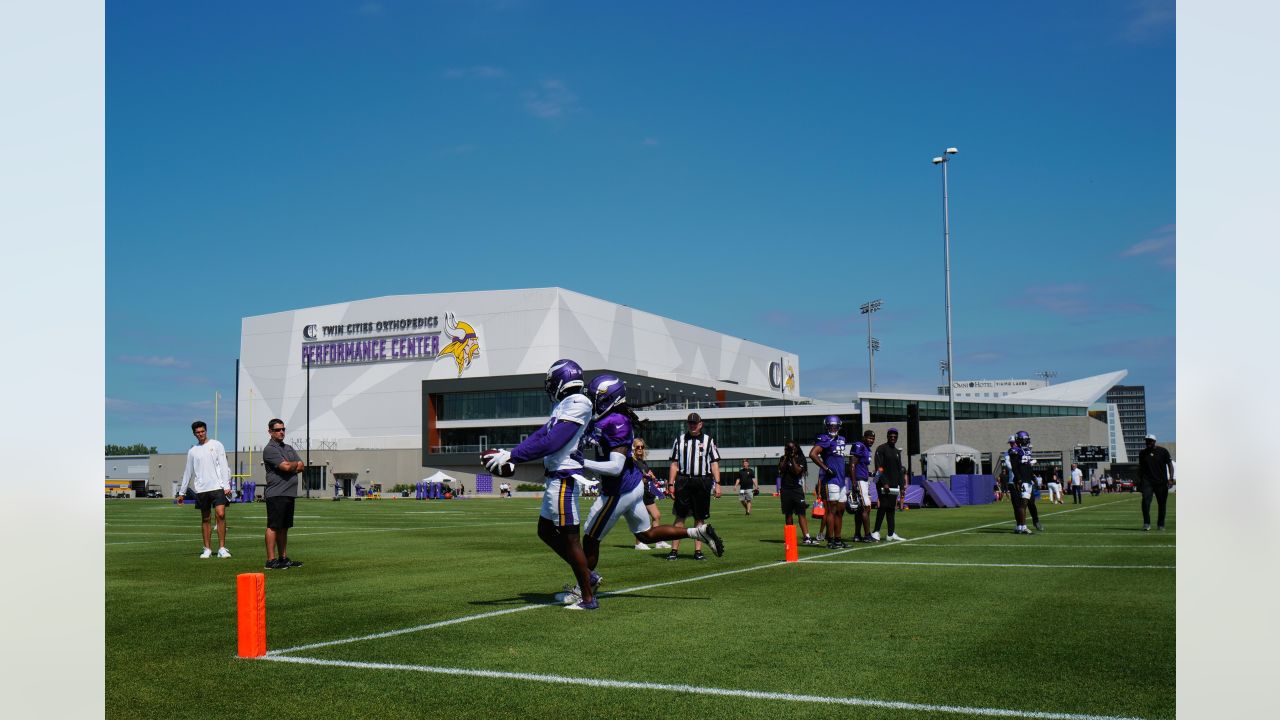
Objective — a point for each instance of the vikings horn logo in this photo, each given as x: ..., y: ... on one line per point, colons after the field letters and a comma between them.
x: 463, y: 346
x: 791, y: 378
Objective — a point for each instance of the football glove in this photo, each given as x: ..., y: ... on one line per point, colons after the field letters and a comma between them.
x: 493, y: 461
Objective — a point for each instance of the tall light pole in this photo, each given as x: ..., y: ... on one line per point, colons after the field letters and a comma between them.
x: 946, y: 255
x: 872, y: 344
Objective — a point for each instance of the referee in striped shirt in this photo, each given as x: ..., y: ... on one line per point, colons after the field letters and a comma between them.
x: 694, y: 474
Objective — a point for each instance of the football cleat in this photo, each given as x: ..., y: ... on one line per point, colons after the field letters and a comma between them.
x: 579, y: 605
x: 709, y: 536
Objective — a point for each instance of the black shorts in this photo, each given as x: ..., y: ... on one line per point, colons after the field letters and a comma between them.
x: 649, y: 498
x: 206, y: 501
x: 280, y: 512
x: 693, y: 498
x: 793, y: 502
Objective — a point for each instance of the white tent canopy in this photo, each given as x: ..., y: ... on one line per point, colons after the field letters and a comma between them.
x: 439, y: 477
x: 941, y: 460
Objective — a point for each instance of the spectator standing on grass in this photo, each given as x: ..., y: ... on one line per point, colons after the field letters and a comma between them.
x: 207, y: 466
x: 1077, y: 485
x: 283, y: 465
x: 1155, y: 477
x: 745, y: 485
x: 889, y: 477
x: 652, y: 491
x: 693, y: 475
x: 792, y: 469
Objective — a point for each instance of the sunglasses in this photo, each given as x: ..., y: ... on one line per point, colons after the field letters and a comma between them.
x: 278, y: 429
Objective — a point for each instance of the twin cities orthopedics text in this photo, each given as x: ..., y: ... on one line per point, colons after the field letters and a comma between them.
x: 382, y: 349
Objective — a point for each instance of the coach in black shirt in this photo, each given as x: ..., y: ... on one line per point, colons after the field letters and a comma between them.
x: 694, y: 474
x: 888, y: 464
x: 1155, y: 475
x: 283, y: 465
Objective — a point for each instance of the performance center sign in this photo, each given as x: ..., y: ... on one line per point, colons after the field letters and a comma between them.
x: 398, y: 340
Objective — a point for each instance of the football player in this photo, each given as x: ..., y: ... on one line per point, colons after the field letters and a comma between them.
x: 610, y: 435
x: 829, y: 450
x: 556, y: 444
x: 1020, y: 464
x: 861, y: 489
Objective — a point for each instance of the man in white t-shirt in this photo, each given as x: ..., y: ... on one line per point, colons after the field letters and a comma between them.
x: 210, y: 476
x: 1077, y: 485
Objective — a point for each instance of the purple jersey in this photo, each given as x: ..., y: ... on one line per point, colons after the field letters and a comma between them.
x: 833, y: 452
x: 611, y: 431
x: 861, y: 461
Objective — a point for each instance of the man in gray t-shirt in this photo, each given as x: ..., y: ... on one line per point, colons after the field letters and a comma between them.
x: 283, y: 465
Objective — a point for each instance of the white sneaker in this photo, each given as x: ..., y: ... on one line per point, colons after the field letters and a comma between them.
x: 894, y: 537
x: 641, y: 546
x: 874, y: 536
x: 223, y: 552
x: 206, y: 554
x: 662, y: 544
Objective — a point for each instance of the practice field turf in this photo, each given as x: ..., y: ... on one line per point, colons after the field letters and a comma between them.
x: 409, y: 609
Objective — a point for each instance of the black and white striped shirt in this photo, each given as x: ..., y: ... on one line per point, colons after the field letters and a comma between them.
x: 693, y: 455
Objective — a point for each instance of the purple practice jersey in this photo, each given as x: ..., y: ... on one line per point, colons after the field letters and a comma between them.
x: 611, y: 431
x: 833, y: 452
x: 861, y: 461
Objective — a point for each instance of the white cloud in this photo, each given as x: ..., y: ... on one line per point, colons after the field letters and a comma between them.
x: 475, y: 72
x: 1149, y: 19
x: 1162, y: 247
x: 552, y: 99
x: 154, y: 361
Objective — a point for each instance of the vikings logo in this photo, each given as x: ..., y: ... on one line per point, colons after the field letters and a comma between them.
x: 463, y: 346
x: 791, y: 378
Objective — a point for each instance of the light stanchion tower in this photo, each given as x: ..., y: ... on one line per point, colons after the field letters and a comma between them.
x: 873, y: 345
x: 944, y: 160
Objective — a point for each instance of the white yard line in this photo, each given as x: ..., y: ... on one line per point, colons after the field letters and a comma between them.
x: 696, y: 578
x: 994, y: 565
x: 335, y: 532
x: 1033, y: 544
x: 699, y: 690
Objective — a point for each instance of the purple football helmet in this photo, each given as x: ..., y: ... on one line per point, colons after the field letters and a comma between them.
x: 606, y: 393
x: 564, y: 378
x: 1023, y: 438
x: 832, y: 424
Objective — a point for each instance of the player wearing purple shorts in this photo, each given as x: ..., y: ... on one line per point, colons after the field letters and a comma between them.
x: 621, y: 480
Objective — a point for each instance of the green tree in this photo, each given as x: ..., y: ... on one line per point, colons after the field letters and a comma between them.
x: 135, y: 449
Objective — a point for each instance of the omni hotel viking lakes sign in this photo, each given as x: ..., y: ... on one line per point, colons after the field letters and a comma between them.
x: 414, y: 338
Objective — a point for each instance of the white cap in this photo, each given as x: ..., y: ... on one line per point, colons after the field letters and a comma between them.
x: 1150, y: 436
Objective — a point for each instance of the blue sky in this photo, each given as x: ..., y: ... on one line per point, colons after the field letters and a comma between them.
x: 760, y: 169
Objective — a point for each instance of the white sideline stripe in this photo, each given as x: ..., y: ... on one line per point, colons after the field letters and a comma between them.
x: 994, y: 565
x: 335, y: 532
x: 1129, y: 533
x: 696, y: 578
x: 275, y: 654
x: 1037, y: 545
x: 696, y: 690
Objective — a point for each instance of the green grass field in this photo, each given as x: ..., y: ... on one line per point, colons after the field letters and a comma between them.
x: 964, y: 619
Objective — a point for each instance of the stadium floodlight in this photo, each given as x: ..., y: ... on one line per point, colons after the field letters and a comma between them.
x: 946, y: 255
x: 866, y: 309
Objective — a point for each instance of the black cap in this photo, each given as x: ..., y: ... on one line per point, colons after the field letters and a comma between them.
x: 694, y: 418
